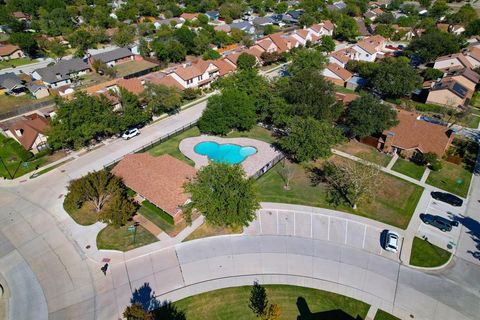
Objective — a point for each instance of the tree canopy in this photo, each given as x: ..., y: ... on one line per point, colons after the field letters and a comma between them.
x: 232, y: 109
x: 367, y: 115
x: 246, y: 61
x: 223, y: 194
x: 310, y: 139
x: 395, y: 78
x: 433, y: 44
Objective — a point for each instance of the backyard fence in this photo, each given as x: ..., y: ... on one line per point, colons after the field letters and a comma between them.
x: 27, y: 108
x: 268, y: 166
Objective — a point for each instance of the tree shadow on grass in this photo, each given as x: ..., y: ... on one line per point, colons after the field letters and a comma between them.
x: 165, y: 310
x: 336, y: 314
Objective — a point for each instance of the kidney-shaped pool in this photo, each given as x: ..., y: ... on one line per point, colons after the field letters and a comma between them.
x: 228, y: 153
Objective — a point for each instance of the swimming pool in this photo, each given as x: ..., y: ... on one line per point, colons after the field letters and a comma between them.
x: 229, y: 153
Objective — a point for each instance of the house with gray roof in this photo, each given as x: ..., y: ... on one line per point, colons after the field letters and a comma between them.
x: 244, y: 26
x: 62, y: 72
x: 262, y: 21
x: 11, y: 84
x: 113, y: 57
x: 213, y: 15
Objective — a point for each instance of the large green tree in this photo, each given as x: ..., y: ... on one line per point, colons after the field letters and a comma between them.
x: 306, y: 59
x: 258, y: 300
x: 223, y: 194
x: 395, y: 78
x: 310, y: 139
x: 434, y: 43
x: 232, y: 109
x: 162, y: 99
x: 246, y: 61
x: 367, y: 115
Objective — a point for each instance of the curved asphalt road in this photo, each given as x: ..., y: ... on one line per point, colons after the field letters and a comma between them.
x: 51, y: 274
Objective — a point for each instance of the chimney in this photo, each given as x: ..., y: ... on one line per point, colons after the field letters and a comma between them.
x: 59, y: 76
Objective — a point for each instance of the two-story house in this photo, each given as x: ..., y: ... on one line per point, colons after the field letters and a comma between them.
x: 195, y: 74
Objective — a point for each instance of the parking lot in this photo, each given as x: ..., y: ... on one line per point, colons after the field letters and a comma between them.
x: 446, y: 240
x: 322, y: 224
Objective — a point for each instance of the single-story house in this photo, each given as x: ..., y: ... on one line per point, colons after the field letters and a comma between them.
x: 262, y: 21
x: 159, y: 180
x: 412, y: 136
x: 466, y: 77
x: 39, y: 91
x: 30, y: 132
x: 113, y: 57
x: 10, y: 52
x: 243, y: 26
x: 62, y: 72
x: 189, y: 16
x: 213, y: 15
x: 11, y: 84
x: 336, y: 74
x: 337, y: 6
x: 176, y: 22
x: 450, y: 93
x: 454, y: 61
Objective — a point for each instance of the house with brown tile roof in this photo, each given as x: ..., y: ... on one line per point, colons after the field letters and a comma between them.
x: 473, y: 56
x: 21, y: 16
x: 224, y: 66
x: 283, y: 41
x: 10, y: 52
x: 159, y: 180
x: 412, y: 136
x: 267, y: 45
x: 195, y: 74
x: 302, y: 36
x: 30, y: 132
x: 132, y: 85
x: 369, y: 49
x: 466, y: 77
x: 189, y: 16
x: 160, y: 78
x: 342, y: 56
x: 336, y: 74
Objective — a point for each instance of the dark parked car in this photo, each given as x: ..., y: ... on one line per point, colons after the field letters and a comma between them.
x: 437, y: 221
x: 448, y: 198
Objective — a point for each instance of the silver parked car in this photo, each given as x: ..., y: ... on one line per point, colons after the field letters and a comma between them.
x: 130, y: 133
x: 392, y: 241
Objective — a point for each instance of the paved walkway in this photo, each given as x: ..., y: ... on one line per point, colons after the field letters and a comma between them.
x: 147, y: 224
x: 425, y: 175
x: 371, y: 312
x: 392, y: 161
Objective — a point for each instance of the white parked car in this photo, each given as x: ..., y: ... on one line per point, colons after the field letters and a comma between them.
x: 392, y: 241
x: 130, y: 133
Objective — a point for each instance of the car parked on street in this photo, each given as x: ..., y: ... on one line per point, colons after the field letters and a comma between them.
x: 392, y: 240
x: 447, y: 198
x: 130, y: 133
x: 437, y: 221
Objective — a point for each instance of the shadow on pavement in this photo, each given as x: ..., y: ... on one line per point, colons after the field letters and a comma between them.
x: 306, y: 314
x: 473, y: 227
x: 145, y: 297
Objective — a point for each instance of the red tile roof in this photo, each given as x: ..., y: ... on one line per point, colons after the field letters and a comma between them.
x: 411, y: 133
x: 133, y: 85
x: 344, y: 74
x: 30, y: 127
x: 6, y: 50
x: 160, y: 179
x: 224, y: 66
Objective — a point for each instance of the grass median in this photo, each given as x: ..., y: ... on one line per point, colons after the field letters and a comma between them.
x: 425, y: 254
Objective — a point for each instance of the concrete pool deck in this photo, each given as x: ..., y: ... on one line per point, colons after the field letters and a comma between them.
x: 263, y: 159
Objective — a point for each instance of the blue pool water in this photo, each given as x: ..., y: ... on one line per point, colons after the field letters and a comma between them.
x: 229, y: 153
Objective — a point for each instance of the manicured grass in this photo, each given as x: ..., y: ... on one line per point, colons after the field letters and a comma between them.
x: 127, y: 68
x: 39, y: 173
x: 393, y: 204
x: 232, y: 303
x: 121, y: 239
x: 156, y: 217
x: 16, y: 62
x: 257, y: 132
x: 425, y: 254
x: 85, y: 216
x: 446, y: 178
x: 171, y: 146
x: 206, y: 230
x: 365, y: 152
x: 408, y: 168
x: 471, y: 121
x: 343, y: 89
x: 382, y: 315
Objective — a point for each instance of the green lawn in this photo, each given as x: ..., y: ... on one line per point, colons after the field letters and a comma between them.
x: 394, y: 203
x: 85, y: 216
x: 257, y: 132
x: 171, y: 145
x: 382, y: 315
x: 425, y: 254
x: 121, y: 239
x: 446, y: 178
x: 365, y: 152
x: 16, y: 62
x: 10, y: 103
x: 408, y: 168
x: 206, y: 230
x: 127, y: 68
x: 340, y: 89
x: 232, y: 303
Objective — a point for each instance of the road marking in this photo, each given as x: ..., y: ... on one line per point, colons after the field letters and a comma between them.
x: 346, y: 231
x: 311, y: 225
x: 294, y: 217
x: 277, y: 221
x: 260, y: 221
x: 328, y: 229
x: 364, y: 236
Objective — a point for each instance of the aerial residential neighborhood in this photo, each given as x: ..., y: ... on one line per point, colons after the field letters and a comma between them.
x: 239, y: 159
